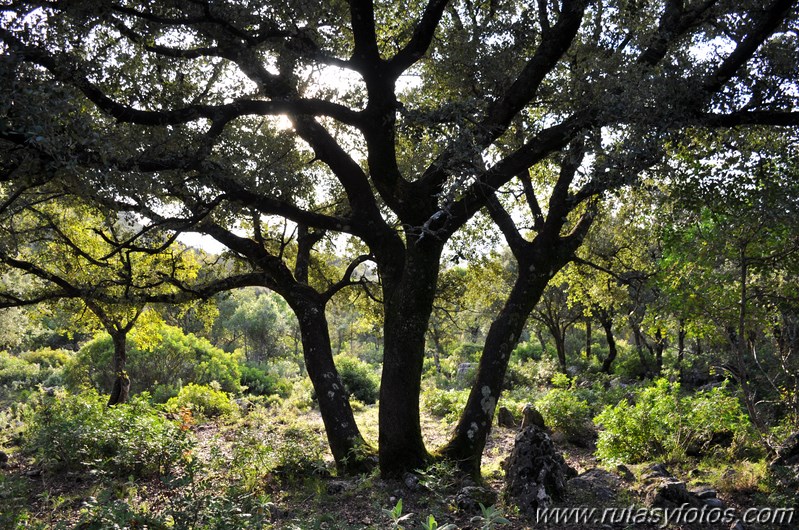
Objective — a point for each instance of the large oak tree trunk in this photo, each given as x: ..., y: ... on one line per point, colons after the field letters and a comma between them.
x: 467, y: 444
x: 350, y: 451
x: 408, y: 303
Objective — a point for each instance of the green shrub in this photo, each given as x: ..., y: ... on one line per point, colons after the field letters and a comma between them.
x: 518, y: 374
x: 467, y: 353
x: 446, y: 404
x: 563, y: 411
x: 15, y: 371
x: 203, y: 400
x: 527, y: 351
x: 47, y: 357
x: 262, y: 383
x: 661, y: 422
x: 80, y: 433
x: 160, y: 359
x: 267, y: 450
x: 358, y: 378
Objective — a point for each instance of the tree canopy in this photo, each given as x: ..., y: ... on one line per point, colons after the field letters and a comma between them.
x: 386, y: 127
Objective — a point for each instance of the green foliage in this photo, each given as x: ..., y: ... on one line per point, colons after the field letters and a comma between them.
x: 560, y: 380
x: 489, y: 518
x: 262, y: 383
x: 359, y: 379
x: 206, y: 401
x: 445, y: 403
x: 563, y: 411
x: 268, y: 452
x: 17, y: 371
x: 254, y: 320
x: 468, y: 353
x: 662, y: 422
x: 160, y: 359
x: 526, y: 351
x: 78, y: 432
x: 396, y: 517
x: 195, y: 500
x: 432, y: 524
x: 46, y: 357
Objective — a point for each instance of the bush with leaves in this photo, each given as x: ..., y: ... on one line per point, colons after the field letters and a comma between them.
x: 358, y: 377
x: 662, y: 422
x: 204, y: 401
x: 259, y: 382
x: 268, y: 453
x: 565, y: 412
x: 161, y: 359
x: 78, y: 432
x: 445, y: 403
x: 15, y: 371
x: 47, y: 357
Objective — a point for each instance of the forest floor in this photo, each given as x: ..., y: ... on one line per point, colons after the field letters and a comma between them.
x: 321, y: 500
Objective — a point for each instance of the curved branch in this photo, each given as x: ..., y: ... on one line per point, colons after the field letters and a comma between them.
x: 765, y: 26
x: 505, y: 223
x: 346, y: 279
x: 420, y: 40
x: 66, y: 71
x: 499, y: 115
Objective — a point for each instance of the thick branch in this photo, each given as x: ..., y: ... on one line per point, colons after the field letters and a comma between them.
x: 421, y: 39
x: 366, y: 54
x: 503, y: 220
x: 500, y: 114
x: 766, y: 25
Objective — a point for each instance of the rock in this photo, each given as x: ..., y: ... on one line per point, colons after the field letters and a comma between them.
x: 411, y: 481
x: 244, y: 404
x: 335, y: 487
x: 505, y: 418
x: 669, y: 493
x: 657, y: 471
x: 469, y: 498
x: 535, y: 473
x: 595, y: 484
x: 275, y: 512
x: 530, y: 416
x: 464, y: 369
x: 625, y: 473
x: 713, y: 503
x: 704, y: 494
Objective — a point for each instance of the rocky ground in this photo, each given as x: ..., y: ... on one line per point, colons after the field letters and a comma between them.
x: 527, y: 473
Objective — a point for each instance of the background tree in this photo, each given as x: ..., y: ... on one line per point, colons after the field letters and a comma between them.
x: 733, y: 244
x: 71, y: 251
